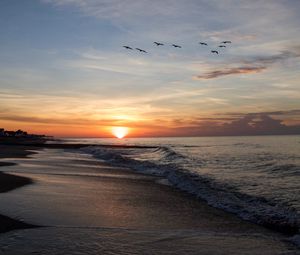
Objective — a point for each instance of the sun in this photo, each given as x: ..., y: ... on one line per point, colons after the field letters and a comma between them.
x: 120, y: 132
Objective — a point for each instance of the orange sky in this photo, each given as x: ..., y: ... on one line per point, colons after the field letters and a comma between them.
x: 64, y: 70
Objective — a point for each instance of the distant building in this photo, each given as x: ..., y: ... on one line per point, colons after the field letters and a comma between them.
x: 20, y: 133
x: 9, y: 133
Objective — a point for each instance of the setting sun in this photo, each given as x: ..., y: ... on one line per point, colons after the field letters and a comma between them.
x: 120, y: 132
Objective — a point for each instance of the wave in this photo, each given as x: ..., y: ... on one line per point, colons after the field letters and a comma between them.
x: 164, y: 162
x: 285, y: 169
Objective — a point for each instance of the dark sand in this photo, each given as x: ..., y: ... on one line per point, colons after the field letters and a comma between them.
x: 9, y: 182
x: 123, y: 199
x: 15, y: 151
x: 134, y: 200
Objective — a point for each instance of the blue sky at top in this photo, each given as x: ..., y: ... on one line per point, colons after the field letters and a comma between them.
x: 60, y: 52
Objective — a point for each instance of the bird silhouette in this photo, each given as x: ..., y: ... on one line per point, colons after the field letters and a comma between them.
x: 127, y: 47
x: 140, y: 50
x: 222, y: 46
x: 158, y: 44
x: 176, y: 46
x: 226, y: 42
x: 203, y: 43
x: 215, y: 51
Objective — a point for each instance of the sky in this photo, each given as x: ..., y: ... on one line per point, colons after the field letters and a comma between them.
x: 64, y: 72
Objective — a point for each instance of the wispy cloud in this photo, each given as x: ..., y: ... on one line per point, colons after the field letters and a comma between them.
x: 273, y: 113
x: 247, y: 124
x: 229, y: 71
x: 251, y: 65
x: 92, y: 79
x: 272, y: 59
x: 130, y: 63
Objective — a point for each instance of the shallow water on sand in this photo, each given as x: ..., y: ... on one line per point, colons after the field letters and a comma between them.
x: 121, y: 241
x: 257, y: 178
x: 92, y: 208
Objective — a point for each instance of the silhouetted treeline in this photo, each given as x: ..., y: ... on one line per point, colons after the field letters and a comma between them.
x: 18, y: 133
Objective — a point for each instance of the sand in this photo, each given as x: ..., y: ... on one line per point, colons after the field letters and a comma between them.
x: 131, y: 207
x: 9, y: 182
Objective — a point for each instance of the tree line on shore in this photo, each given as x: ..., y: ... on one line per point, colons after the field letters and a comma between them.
x: 18, y: 133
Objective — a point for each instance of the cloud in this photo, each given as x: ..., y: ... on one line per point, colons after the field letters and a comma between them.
x: 256, y: 124
x: 290, y: 112
x: 269, y: 60
x: 230, y: 71
x: 123, y: 62
x: 261, y: 123
x: 252, y: 65
x: 190, y: 19
x: 41, y: 120
x: 56, y: 121
x: 249, y: 124
x: 142, y: 22
x: 114, y: 8
x: 273, y: 113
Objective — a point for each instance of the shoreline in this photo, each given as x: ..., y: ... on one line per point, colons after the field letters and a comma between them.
x: 120, y: 198
x: 10, y: 182
x: 198, y: 189
x: 20, y: 150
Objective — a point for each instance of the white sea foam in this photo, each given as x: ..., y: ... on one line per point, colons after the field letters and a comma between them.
x: 239, y: 185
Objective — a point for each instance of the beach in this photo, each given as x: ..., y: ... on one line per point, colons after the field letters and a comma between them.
x: 9, y: 182
x: 149, y: 127
x: 89, y: 207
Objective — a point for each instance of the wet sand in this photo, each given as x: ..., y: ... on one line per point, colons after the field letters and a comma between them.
x: 15, y: 151
x: 137, y: 200
x: 105, y: 209
x: 10, y: 182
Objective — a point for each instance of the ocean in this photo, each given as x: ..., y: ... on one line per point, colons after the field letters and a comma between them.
x: 257, y: 178
x: 89, y: 201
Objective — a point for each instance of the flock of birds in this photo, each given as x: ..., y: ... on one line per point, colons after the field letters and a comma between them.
x: 222, y: 45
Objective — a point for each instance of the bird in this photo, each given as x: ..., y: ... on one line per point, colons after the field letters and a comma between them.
x: 215, y: 51
x: 203, y: 43
x: 127, y: 47
x: 176, y: 46
x: 140, y: 50
x: 222, y: 46
x: 158, y: 44
x: 226, y: 42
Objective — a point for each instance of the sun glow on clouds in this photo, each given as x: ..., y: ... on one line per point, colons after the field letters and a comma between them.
x: 120, y: 132
x: 160, y: 93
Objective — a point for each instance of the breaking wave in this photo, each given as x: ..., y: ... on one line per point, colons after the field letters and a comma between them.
x: 168, y: 163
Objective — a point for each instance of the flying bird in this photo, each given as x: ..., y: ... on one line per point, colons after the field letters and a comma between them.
x: 140, y: 50
x: 203, y: 43
x: 127, y: 47
x: 158, y: 44
x: 176, y: 46
x: 222, y: 46
x: 226, y: 42
x: 215, y: 51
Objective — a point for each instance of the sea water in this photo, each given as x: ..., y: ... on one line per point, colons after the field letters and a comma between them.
x: 257, y: 178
